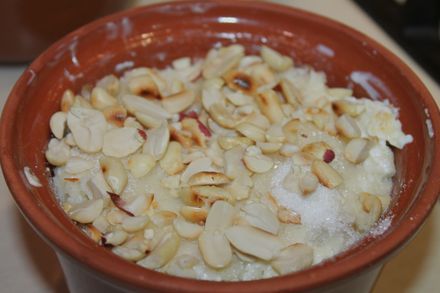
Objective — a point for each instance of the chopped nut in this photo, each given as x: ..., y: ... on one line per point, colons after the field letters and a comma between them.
x: 76, y: 165
x: 220, y: 61
x: 347, y: 126
x: 220, y: 216
x: 341, y: 107
x: 58, y: 124
x: 269, y: 104
x: 275, y: 60
x: 58, y: 152
x: 215, y: 249
x: 157, y: 141
x: 140, y: 204
x: 67, y: 100
x: 144, y: 86
x: 163, y: 252
x: 186, y: 229
x: 327, y: 176
x: 222, y: 116
x: 241, y: 82
x: 141, y: 164
x: 233, y: 162
x: 196, y: 166
x: 115, y: 115
x: 269, y: 147
x: 257, y: 162
x: 308, y: 183
x: 179, y: 102
x: 255, y: 242
x: 194, y: 214
x: 293, y: 258
x: 198, y: 130
x: 357, y: 150
x: 211, y: 193
x: 171, y: 162
x: 251, y: 131
x: 133, y: 224
x: 124, y: 141
x: 208, y: 178
x: 259, y: 216
x: 288, y: 217
x: 100, y: 99
x: 228, y: 143
x: 114, y: 173
x: 240, y: 186
x: 87, y: 211
x: 135, y: 104
x: 292, y: 95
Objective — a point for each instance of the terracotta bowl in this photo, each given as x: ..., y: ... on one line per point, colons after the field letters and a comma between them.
x: 155, y: 35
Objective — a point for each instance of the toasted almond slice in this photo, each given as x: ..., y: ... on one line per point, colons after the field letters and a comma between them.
x: 114, y: 173
x: 121, y: 142
x: 259, y: 216
x: 140, y: 204
x: 269, y: 104
x: 340, y: 93
x: 288, y: 150
x: 194, y: 214
x: 133, y: 224
x: 210, y: 95
x: 115, y: 238
x: 171, y: 182
x: 228, y: 143
x: 275, y: 60
x: 199, y: 132
x: 258, y: 120
x: 251, y: 131
x: 255, y: 161
x: 371, y: 210
x: 194, y: 155
x: 293, y: 258
x: 215, y: 249
x: 138, y: 104
x: 220, y: 61
x: 290, y: 130
x: 240, y: 187
x: 275, y: 134
x: 186, y: 229
x: 69, y: 140
x: 317, y: 149
x: 357, y: 150
x: 179, y: 102
x: 189, y: 197
x: 163, y: 252
x: 132, y: 122
x: 222, y: 116
x: 115, y: 115
x: 220, y: 216
x: 110, y: 83
x: 292, y: 94
x: 240, y: 81
x: 196, y: 166
x: 143, y: 86
x: 129, y: 254
x: 182, y: 137
x: 100, y: 99
x: 233, y: 162
x: 327, y: 176
x: 157, y: 141
x: 269, y: 147
x: 347, y: 126
x: 87, y: 211
x: 352, y: 109
x: 58, y: 124
x: 88, y: 128
x: 58, y: 152
x: 302, y: 159
x: 308, y: 183
x: 141, y: 164
x: 81, y: 102
x: 163, y: 218
x: 147, y: 120
x: 253, y: 241
x: 237, y: 98
x: 211, y: 193
x: 171, y: 162
x: 287, y: 216
x: 77, y: 165
x: 208, y: 178
x: 67, y: 100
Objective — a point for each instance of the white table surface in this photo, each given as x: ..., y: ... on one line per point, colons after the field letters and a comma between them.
x: 27, y: 264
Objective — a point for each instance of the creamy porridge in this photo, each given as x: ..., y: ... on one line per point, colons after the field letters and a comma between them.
x: 231, y: 167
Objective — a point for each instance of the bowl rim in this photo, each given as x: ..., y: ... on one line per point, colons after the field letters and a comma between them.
x: 139, y: 277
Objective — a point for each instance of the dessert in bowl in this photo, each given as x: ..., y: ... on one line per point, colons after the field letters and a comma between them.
x: 130, y: 40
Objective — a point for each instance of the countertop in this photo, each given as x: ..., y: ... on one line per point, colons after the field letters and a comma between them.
x: 28, y: 264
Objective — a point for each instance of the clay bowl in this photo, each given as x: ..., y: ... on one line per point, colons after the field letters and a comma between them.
x: 155, y: 35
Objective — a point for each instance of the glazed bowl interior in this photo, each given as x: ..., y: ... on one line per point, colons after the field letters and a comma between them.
x: 154, y: 36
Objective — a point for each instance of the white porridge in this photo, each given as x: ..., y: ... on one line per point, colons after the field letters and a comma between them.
x: 231, y: 167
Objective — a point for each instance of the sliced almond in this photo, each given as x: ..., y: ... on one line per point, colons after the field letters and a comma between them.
x: 240, y: 81
x: 88, y: 128
x: 211, y: 193
x: 110, y: 83
x: 171, y: 162
x: 133, y: 224
x: 163, y: 218
x: 67, y: 100
x: 228, y: 143
x: 288, y: 217
x: 317, y: 149
x: 215, y: 249
x: 115, y: 238
x: 371, y: 210
x: 179, y: 102
x: 182, y: 137
x: 163, y: 252
x: 87, y: 211
x: 241, y: 186
x: 58, y: 152
x: 121, y: 142
x: 77, y: 165
x: 189, y: 197
x: 269, y: 104
x: 220, y: 216
x: 357, y: 150
x: 302, y: 159
x: 237, y: 98
x: 114, y: 173
x: 140, y: 204
x: 186, y: 229
x: 327, y: 176
x: 262, y: 74
x: 255, y: 161
x: 69, y: 140
x: 340, y: 93
x: 352, y: 109
x: 138, y: 104
x: 81, y: 102
x: 220, y: 61
x: 253, y: 241
x: 222, y: 116
x: 57, y: 124
x: 141, y: 164
x: 208, y: 178
x: 290, y: 130
x: 293, y: 258
x: 194, y: 214
x: 157, y: 141
x: 258, y: 120
x: 269, y: 147
x: 199, y: 132
x: 288, y: 150
x: 347, y: 126
x: 100, y: 99
x: 259, y: 216
x: 115, y: 115
x: 171, y: 182
x: 129, y: 254
x: 147, y: 120
x: 251, y: 131
x: 308, y: 183
x: 211, y: 94
x: 275, y: 60
x: 234, y: 165
x: 143, y: 86
x: 292, y: 94
x: 132, y: 122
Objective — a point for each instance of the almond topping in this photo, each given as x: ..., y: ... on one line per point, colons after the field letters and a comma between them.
x: 357, y: 150
x: 269, y: 104
x: 296, y: 257
x: 327, y: 176
x: 208, y: 178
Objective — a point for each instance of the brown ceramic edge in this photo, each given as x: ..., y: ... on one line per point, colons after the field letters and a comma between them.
x: 60, y: 239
